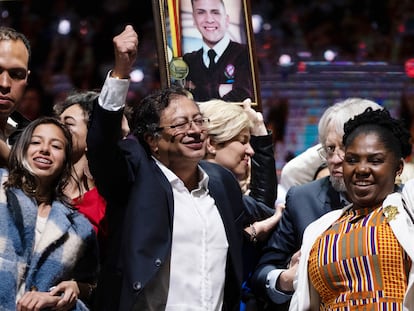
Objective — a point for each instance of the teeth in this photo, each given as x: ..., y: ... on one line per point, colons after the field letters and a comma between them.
x: 43, y: 160
x: 362, y: 183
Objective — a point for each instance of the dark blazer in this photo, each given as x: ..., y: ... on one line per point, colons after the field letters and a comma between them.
x: 233, y: 67
x: 140, y: 212
x: 304, y: 204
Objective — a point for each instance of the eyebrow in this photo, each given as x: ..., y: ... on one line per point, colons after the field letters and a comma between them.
x: 199, y: 114
x: 69, y: 117
x: 53, y: 139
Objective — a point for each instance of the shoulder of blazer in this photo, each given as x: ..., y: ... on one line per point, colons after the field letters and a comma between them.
x: 313, y: 188
x: 221, y: 180
x: 214, y: 170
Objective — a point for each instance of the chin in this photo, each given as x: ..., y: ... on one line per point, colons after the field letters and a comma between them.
x: 338, y: 183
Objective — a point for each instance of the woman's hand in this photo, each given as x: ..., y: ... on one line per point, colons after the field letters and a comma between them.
x: 286, y: 278
x: 34, y: 301
x: 68, y: 292
x: 263, y: 228
x: 259, y: 127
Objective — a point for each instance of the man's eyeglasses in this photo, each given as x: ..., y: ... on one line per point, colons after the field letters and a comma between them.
x: 328, y: 152
x: 185, y: 126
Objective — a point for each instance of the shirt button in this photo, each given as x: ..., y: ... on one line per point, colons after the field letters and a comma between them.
x: 157, y: 262
x: 137, y: 286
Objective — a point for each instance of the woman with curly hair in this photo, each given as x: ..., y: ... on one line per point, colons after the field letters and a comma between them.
x: 360, y: 257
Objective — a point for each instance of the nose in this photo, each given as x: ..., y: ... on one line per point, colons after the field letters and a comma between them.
x: 194, y: 127
x: 5, y: 80
x: 249, y: 150
x: 44, y: 148
x: 362, y: 170
x: 209, y: 18
x: 337, y: 158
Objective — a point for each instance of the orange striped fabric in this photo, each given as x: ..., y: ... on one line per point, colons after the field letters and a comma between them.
x: 358, y: 264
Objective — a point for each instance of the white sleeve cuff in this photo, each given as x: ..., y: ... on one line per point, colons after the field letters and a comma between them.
x: 275, y: 295
x: 113, y: 94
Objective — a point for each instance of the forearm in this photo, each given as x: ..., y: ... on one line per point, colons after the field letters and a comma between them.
x: 263, y: 183
x: 260, y: 230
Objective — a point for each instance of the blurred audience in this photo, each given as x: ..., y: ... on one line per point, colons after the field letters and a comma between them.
x: 69, y: 38
x: 35, y: 101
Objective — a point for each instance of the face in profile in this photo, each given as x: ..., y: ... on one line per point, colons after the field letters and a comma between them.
x: 75, y: 119
x: 334, y: 160
x: 46, y: 152
x: 14, y: 59
x: 369, y: 170
x: 234, y: 154
x: 211, y: 20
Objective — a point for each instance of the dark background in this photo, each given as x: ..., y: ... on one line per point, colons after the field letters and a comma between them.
x: 372, y: 40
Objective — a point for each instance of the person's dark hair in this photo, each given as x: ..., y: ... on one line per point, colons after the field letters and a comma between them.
x: 145, y: 116
x: 7, y: 33
x: 84, y: 99
x: 21, y: 175
x: 222, y: 2
x: 394, y: 135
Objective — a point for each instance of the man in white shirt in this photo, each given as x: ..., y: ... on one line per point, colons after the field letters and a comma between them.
x: 175, y: 222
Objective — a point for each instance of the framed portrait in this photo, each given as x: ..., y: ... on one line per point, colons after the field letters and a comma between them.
x: 208, y: 47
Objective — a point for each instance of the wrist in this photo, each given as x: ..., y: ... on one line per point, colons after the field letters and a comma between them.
x: 117, y: 75
x: 253, y: 234
x: 284, y: 283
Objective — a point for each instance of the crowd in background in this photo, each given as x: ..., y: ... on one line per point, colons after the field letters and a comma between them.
x: 355, y: 30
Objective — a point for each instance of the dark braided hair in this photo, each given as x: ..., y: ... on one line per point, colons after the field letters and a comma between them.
x: 393, y: 133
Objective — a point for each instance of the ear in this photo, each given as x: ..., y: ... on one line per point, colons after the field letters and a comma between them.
x: 211, y: 148
x: 152, y: 142
x: 400, y: 167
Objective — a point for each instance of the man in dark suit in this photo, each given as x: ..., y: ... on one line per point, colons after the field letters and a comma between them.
x: 273, y: 278
x: 221, y: 68
x: 176, y: 243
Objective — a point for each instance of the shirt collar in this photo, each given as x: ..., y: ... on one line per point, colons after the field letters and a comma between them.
x: 219, y: 48
x: 172, y: 178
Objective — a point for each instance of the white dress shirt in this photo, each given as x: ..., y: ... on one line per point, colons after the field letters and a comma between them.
x: 199, y: 248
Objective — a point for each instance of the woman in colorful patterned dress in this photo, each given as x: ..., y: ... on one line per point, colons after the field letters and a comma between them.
x: 360, y: 257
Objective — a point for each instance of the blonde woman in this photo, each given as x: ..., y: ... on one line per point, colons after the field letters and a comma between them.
x: 238, y: 140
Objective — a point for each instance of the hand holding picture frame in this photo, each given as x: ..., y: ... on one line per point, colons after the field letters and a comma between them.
x: 188, y: 29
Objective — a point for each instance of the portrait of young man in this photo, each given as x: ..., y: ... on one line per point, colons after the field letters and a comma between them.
x: 220, y: 68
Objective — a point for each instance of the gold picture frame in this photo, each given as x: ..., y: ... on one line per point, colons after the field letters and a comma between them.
x: 177, y: 36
